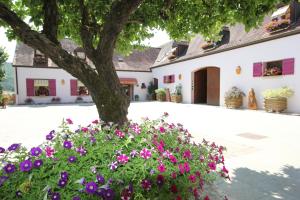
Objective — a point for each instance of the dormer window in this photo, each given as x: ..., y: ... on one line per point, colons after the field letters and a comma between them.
x: 40, y: 59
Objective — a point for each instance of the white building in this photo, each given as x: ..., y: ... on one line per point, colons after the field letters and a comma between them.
x: 264, y: 58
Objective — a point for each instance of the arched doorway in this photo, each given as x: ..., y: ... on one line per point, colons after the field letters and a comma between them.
x: 207, y: 86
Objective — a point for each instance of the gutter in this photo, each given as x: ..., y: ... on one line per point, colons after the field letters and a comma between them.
x: 274, y: 37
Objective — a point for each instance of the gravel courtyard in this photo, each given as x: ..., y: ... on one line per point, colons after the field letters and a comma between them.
x: 263, y: 148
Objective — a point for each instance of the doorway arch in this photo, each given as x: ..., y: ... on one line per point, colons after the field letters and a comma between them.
x: 206, y: 86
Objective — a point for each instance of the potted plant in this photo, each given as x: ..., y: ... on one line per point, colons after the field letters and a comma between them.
x: 151, y: 91
x: 234, y: 98
x: 136, y: 97
x: 275, y: 100
x: 160, y: 94
x: 177, y: 95
x: 3, y: 101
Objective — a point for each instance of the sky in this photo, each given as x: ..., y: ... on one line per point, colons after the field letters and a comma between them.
x: 160, y: 37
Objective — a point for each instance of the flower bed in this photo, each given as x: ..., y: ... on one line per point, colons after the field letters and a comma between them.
x: 151, y: 160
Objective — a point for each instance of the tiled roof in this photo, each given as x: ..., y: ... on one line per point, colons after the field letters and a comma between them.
x: 138, y: 60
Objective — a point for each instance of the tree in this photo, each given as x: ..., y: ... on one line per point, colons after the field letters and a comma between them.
x: 3, y: 58
x: 105, y: 26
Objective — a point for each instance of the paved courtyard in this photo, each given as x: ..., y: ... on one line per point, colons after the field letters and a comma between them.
x: 263, y: 148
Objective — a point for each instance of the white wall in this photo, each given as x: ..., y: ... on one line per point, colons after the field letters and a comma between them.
x: 63, y: 91
x: 287, y: 47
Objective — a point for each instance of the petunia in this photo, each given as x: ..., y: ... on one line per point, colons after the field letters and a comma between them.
x: 50, y: 136
x: 201, y: 157
x: 212, y: 165
x: 119, y: 133
x: 3, y: 179
x: 9, y: 168
x: 145, y: 153
x: 196, y: 193
x: 133, y: 153
x: 162, y: 129
x: 146, y: 184
x: 173, y: 159
x: 49, y: 151
x: 55, y: 196
x: 84, y: 129
x: 91, y: 187
x: 206, y: 198
x: 81, y: 150
x: 25, y: 166
x: 126, y: 194
x: 181, y: 168
x: 62, y: 183
x: 2, y: 150
x: 174, y: 175
x: 14, y: 147
x: 92, y: 140
x: 95, y: 121
x: 160, y: 179
x: 37, y: 163
x: 113, y: 166
x: 72, y: 159
x: 109, y: 194
x: 123, y: 159
x: 100, y: 179
x: 186, y: 167
x: 36, y: 151
x: 187, y: 154
x: 18, y: 193
x: 64, y: 176
x: 225, y: 170
x: 69, y: 121
x: 173, y: 188
x: 161, y: 168
x: 192, y: 178
x: 67, y: 144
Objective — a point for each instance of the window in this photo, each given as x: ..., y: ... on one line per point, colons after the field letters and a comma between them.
x: 41, y: 87
x: 78, y: 88
x: 169, y: 79
x: 273, y: 68
x: 40, y: 60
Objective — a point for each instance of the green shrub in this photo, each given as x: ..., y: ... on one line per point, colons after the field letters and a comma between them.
x: 151, y: 160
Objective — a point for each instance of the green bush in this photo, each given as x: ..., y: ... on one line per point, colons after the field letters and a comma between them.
x: 151, y: 160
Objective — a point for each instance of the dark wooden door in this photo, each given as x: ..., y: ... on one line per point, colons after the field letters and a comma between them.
x: 200, y: 86
x: 213, y: 86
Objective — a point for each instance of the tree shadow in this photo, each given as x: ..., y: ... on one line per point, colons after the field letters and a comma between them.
x: 248, y: 184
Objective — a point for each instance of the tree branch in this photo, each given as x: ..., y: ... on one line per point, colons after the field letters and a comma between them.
x: 113, y: 25
x: 51, y: 17
x: 39, y: 41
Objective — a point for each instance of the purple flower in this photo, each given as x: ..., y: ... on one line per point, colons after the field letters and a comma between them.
x: 14, y: 147
x: 3, y: 179
x: 9, y: 168
x: 69, y: 121
x: 25, y: 166
x: 62, y: 183
x: 91, y: 187
x: 133, y: 153
x: 2, y: 150
x: 113, y: 166
x: 18, y: 193
x: 37, y: 163
x: 72, y: 159
x: 68, y: 144
x: 81, y: 150
x: 50, y: 136
x: 36, y: 151
x: 108, y: 194
x: 93, y: 140
x: 160, y: 179
x: 55, y: 196
x: 100, y: 179
x: 152, y: 171
x: 76, y: 198
x: 64, y: 176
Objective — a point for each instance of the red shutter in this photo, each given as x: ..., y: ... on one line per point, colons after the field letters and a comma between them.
x: 73, y: 84
x: 52, y: 87
x: 165, y: 79
x: 288, y: 66
x: 30, y: 87
x: 173, y: 79
x: 257, y: 69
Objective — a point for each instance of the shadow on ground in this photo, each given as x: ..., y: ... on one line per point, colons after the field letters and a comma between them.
x: 248, y: 184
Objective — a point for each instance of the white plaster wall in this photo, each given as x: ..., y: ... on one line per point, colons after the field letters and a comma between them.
x: 63, y: 91
x: 142, y: 77
x: 288, y: 47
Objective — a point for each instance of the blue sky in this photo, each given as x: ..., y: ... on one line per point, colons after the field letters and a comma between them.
x: 160, y: 37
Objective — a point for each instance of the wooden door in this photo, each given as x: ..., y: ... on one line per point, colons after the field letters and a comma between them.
x: 200, y: 86
x: 213, y: 86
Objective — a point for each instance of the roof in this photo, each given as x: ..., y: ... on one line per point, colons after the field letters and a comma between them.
x: 138, y: 60
x: 238, y: 38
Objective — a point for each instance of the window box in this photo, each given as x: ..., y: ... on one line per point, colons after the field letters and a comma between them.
x: 277, y: 26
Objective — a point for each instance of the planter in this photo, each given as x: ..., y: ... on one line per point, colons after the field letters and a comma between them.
x: 176, y: 98
x: 234, y: 103
x: 160, y: 97
x: 4, y: 102
x: 275, y: 104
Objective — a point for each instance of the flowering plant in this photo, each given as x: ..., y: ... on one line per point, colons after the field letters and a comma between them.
x: 151, y: 160
x: 283, y: 92
x: 234, y: 92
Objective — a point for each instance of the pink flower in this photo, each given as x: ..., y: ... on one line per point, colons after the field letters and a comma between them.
x: 95, y: 121
x: 162, y: 129
x: 196, y: 193
x: 84, y: 129
x: 212, y: 165
x: 187, y: 154
x: 201, y: 158
x: 174, y: 175
x: 224, y: 170
x: 160, y: 148
x: 146, y: 184
x: 181, y: 168
x: 119, y: 133
x: 49, y: 151
x: 192, y: 178
x: 198, y: 173
x: 173, y: 159
x: 186, y: 167
x: 161, y: 168
x: 145, y: 153
x: 206, y: 198
x: 69, y: 121
x: 123, y: 159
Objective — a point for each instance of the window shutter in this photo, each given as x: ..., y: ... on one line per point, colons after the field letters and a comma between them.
x: 173, y: 79
x: 52, y: 87
x: 165, y: 79
x: 288, y: 66
x: 73, y: 84
x: 257, y: 69
x: 30, y: 87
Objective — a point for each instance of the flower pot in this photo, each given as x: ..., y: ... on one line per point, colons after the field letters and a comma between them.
x: 234, y: 103
x: 160, y: 97
x: 4, y: 102
x: 176, y: 98
x: 278, y: 104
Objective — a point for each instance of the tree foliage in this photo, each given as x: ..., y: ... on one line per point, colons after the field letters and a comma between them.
x: 3, y: 58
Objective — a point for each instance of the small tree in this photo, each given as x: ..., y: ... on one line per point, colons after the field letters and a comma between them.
x: 103, y: 26
x: 3, y: 58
